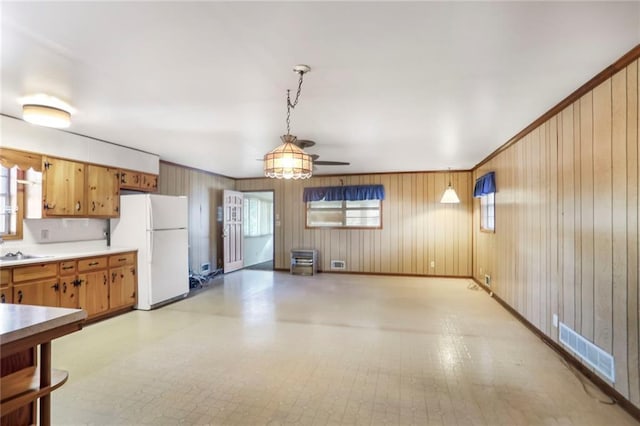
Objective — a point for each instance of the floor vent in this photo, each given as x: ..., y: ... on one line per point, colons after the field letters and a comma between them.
x: 338, y: 264
x: 590, y: 353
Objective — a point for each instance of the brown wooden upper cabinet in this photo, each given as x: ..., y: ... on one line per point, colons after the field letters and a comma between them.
x: 63, y: 183
x: 103, y: 191
x: 130, y: 179
x: 138, y: 181
x: 72, y: 188
x: 149, y: 182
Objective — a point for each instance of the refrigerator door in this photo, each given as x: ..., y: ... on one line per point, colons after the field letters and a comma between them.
x: 168, y: 212
x: 168, y: 259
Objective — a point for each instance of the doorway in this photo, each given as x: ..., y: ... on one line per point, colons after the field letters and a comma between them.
x: 258, y: 230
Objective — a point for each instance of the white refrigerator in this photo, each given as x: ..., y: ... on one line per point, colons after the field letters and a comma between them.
x: 157, y: 226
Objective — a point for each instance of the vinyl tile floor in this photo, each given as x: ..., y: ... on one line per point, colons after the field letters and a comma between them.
x: 268, y: 348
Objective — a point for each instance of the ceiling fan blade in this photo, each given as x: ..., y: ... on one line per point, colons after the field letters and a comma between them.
x: 331, y: 163
x: 304, y: 143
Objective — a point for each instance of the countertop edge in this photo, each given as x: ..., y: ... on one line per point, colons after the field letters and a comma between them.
x: 66, y: 256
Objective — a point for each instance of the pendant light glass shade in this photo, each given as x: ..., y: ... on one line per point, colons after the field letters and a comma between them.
x: 288, y: 161
x: 450, y: 196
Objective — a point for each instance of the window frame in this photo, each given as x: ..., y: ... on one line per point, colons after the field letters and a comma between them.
x: 19, y: 198
x: 344, y: 210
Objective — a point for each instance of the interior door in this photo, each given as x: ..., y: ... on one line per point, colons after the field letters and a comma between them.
x: 232, y: 235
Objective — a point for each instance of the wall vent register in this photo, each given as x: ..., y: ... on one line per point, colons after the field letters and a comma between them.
x: 338, y: 264
x: 593, y: 355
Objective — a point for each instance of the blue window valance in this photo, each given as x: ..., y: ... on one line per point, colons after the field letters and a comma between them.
x: 348, y: 193
x: 485, y: 184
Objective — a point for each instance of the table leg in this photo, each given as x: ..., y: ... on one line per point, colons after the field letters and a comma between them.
x: 45, y: 381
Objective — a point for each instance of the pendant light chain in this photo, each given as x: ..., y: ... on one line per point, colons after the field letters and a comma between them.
x: 295, y: 102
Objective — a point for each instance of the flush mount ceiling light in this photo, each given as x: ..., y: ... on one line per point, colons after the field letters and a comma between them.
x: 45, y: 110
x: 288, y: 161
x: 450, y: 196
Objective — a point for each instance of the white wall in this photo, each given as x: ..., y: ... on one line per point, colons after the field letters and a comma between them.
x: 258, y: 249
x: 18, y: 134
x: 57, y: 231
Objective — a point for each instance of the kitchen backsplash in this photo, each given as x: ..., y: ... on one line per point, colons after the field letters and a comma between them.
x: 44, y: 231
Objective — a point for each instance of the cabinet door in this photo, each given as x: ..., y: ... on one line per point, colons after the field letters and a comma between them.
x: 115, y: 287
x: 122, y: 288
x: 6, y: 295
x: 69, y: 292
x: 63, y: 187
x: 103, y: 191
x: 42, y: 293
x: 129, y: 285
x: 130, y: 179
x: 94, y: 292
x: 150, y: 182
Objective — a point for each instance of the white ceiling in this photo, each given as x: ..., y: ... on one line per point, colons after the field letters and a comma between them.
x: 394, y: 86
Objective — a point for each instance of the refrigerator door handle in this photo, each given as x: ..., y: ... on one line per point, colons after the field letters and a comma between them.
x: 150, y: 213
x: 150, y: 247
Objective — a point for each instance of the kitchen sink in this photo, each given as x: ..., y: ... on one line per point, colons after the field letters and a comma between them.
x: 19, y: 256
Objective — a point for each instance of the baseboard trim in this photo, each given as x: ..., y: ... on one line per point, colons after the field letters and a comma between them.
x: 384, y: 274
x: 594, y: 378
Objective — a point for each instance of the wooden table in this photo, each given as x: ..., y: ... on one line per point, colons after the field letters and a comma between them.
x: 22, y: 329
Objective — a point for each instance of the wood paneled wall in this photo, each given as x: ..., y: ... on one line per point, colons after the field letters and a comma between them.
x: 417, y: 229
x: 204, y: 191
x: 566, y: 239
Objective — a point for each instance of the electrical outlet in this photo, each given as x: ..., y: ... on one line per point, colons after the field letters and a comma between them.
x: 44, y: 234
x: 433, y: 263
x: 555, y: 320
x: 487, y: 280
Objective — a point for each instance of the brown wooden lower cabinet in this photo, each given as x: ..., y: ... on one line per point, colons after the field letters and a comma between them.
x: 99, y: 285
x: 6, y: 294
x: 69, y: 285
x: 39, y: 292
x: 94, y: 292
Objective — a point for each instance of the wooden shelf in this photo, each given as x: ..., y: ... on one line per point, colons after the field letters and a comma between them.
x: 23, y: 387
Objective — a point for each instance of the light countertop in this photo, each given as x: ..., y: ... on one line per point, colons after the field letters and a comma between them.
x: 21, y: 321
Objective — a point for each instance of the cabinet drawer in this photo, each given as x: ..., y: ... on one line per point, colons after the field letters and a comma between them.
x: 5, y: 277
x: 92, y: 264
x: 68, y: 267
x: 121, y: 259
x: 34, y: 272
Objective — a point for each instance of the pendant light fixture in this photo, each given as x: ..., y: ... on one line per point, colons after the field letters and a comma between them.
x: 45, y: 110
x: 450, y: 196
x: 288, y: 161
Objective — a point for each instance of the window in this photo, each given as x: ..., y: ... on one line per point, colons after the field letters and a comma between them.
x: 488, y: 212
x: 258, y: 217
x: 344, y: 214
x: 8, y: 199
x: 485, y: 189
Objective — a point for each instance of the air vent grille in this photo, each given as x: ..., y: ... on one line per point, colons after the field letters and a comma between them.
x: 590, y: 353
x: 338, y: 264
